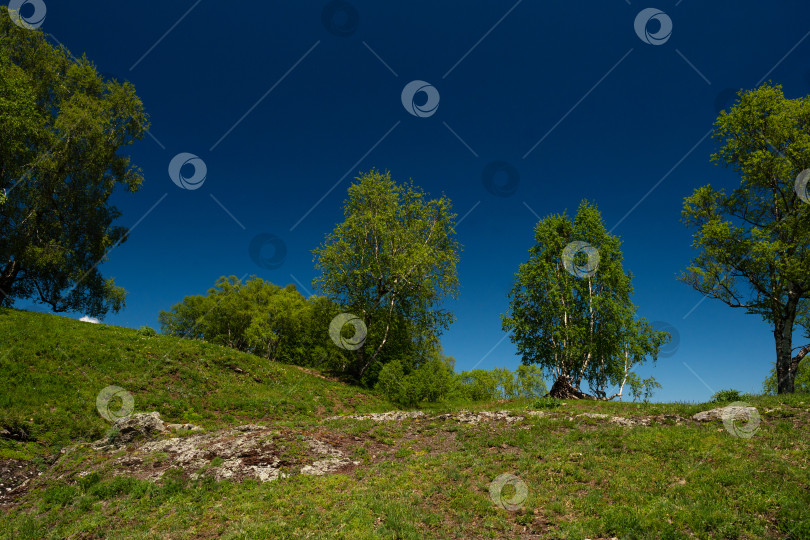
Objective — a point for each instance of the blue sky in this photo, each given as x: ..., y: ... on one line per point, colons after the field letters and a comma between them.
x: 285, y: 110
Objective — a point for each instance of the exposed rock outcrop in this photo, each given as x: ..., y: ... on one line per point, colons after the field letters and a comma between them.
x: 729, y: 411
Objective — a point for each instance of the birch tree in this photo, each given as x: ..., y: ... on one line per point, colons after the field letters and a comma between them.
x: 391, y: 262
x: 570, y: 309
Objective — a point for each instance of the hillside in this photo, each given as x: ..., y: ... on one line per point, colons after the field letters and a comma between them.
x: 285, y: 453
x: 52, y: 370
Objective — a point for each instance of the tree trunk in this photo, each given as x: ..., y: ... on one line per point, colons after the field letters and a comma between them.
x: 794, y: 362
x: 7, y: 278
x: 562, y: 389
x: 783, y: 336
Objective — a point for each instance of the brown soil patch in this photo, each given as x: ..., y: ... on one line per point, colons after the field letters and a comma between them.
x: 15, y: 475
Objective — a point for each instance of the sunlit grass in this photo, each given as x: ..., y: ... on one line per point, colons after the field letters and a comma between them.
x: 418, y: 478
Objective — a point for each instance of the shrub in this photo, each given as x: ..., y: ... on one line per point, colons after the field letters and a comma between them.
x: 726, y: 395
x: 390, y: 381
x: 434, y: 380
x: 147, y: 331
x: 641, y: 388
x: 429, y: 382
x: 529, y: 381
x: 477, y: 385
x: 547, y: 403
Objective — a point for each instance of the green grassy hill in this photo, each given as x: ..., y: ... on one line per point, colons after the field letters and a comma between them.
x: 577, y: 470
x: 53, y: 368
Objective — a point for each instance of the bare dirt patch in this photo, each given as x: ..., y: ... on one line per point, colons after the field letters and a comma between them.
x: 15, y: 475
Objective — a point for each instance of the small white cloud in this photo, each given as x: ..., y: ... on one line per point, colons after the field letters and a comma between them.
x: 90, y: 319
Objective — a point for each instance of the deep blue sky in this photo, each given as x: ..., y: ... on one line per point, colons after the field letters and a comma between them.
x: 615, y: 116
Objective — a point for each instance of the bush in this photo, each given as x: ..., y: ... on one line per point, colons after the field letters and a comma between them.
x: 547, y: 403
x: 641, y: 388
x: 390, y: 381
x: 429, y: 382
x: 147, y: 331
x: 726, y: 395
x: 498, y: 383
x: 530, y: 382
x: 434, y: 380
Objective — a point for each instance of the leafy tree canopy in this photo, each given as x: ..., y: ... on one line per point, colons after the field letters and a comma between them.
x: 62, y: 128
x: 391, y: 262
x: 260, y: 318
x: 570, y: 310
x: 754, y: 241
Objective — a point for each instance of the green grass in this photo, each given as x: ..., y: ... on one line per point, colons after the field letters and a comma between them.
x: 53, y: 368
x: 418, y: 478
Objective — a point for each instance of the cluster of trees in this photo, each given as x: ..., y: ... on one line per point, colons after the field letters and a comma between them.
x: 434, y: 380
x: 392, y: 261
x: 261, y: 318
x: 281, y: 325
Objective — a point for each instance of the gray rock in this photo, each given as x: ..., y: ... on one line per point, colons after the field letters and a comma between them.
x: 325, y: 466
x: 183, y: 427
x: 135, y: 426
x: 730, y: 411
x: 381, y: 417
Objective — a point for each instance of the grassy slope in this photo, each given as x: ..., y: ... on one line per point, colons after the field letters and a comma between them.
x: 53, y: 368
x: 419, y: 478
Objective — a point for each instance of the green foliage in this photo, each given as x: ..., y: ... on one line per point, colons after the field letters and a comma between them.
x: 62, y: 128
x: 431, y: 381
x: 547, y: 403
x: 529, y: 382
x: 754, y: 242
x: 477, y: 385
x: 726, y: 395
x: 260, y: 318
x: 578, y: 328
x: 642, y: 388
x: 391, y: 383
x: 391, y: 262
x: 435, y: 380
x: 499, y: 383
x: 147, y: 331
